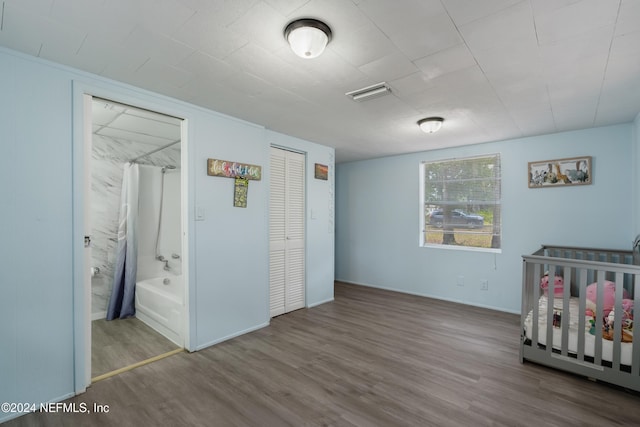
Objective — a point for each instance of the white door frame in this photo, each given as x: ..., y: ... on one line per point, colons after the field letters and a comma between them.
x: 82, y: 96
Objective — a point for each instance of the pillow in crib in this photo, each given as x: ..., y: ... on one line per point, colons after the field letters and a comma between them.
x: 609, y: 297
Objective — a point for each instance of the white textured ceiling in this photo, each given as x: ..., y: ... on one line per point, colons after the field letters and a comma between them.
x: 118, y: 121
x: 494, y: 69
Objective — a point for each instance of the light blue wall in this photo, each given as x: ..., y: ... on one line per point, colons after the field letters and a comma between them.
x: 236, y: 266
x: 36, y: 293
x: 41, y: 293
x: 231, y: 245
x: 378, y: 217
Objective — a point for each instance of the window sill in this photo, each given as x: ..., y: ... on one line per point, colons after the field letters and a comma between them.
x: 462, y: 248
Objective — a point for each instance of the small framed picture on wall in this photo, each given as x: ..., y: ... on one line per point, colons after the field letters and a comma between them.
x: 322, y: 172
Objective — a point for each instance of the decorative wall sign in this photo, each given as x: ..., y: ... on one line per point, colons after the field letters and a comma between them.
x: 240, y: 193
x: 229, y: 169
x: 560, y: 172
x: 322, y: 172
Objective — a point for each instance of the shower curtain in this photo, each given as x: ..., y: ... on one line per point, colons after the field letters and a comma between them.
x: 122, y: 302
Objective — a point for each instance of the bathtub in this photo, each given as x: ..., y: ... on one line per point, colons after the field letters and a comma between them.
x: 159, y: 304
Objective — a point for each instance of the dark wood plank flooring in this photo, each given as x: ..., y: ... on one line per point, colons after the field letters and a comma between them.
x: 119, y: 343
x: 371, y: 358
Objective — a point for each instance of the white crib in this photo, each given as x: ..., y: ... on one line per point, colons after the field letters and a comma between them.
x: 575, y: 335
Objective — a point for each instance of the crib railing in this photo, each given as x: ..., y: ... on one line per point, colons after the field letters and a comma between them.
x: 579, y: 267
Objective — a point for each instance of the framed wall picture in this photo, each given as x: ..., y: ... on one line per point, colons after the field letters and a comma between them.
x: 560, y: 172
x: 322, y: 172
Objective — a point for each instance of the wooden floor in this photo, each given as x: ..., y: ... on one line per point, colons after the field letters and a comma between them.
x: 119, y: 343
x: 371, y: 358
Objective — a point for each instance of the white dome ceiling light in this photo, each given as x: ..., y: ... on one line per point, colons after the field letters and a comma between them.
x: 430, y: 124
x: 307, y: 37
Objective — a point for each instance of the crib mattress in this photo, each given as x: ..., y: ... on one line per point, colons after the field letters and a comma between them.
x: 590, y: 340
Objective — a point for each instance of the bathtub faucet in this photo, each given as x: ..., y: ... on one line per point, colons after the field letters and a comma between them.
x: 166, y: 262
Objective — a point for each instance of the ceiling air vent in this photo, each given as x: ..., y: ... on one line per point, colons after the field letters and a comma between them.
x: 369, y: 92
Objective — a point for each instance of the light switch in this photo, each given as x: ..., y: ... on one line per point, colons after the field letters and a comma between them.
x: 199, y: 213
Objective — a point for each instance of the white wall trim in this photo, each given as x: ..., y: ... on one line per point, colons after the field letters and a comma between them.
x: 142, y: 99
x: 228, y: 337
x: 315, y: 304
x: 98, y: 315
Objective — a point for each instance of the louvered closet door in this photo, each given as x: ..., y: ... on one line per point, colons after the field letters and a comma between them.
x: 277, y: 231
x: 286, y: 232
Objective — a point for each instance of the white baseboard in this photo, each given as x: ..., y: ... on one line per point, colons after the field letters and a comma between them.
x: 99, y: 315
x: 315, y: 304
x: 426, y: 295
x: 228, y: 337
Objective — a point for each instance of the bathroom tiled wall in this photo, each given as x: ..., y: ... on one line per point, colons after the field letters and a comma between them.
x: 107, y: 160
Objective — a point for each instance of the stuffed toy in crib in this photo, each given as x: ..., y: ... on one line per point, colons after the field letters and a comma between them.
x: 608, y: 300
x: 627, y: 322
x: 558, y: 284
x: 608, y: 307
x: 608, y: 311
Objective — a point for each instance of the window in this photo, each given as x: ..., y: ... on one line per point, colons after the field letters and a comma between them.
x: 461, y: 202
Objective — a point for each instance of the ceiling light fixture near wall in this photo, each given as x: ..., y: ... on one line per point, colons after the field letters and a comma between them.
x: 430, y: 124
x: 369, y: 92
x: 307, y: 37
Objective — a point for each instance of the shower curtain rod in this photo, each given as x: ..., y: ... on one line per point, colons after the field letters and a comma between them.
x: 154, y: 151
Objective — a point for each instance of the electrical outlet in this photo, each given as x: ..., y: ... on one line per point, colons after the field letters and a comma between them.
x: 484, y: 285
x: 460, y: 280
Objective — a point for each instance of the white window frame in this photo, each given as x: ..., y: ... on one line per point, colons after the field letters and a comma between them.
x: 423, y: 208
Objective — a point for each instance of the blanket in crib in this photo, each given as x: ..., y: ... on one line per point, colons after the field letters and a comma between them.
x: 573, y: 318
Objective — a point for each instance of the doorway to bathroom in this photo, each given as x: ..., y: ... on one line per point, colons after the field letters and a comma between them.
x: 133, y: 216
